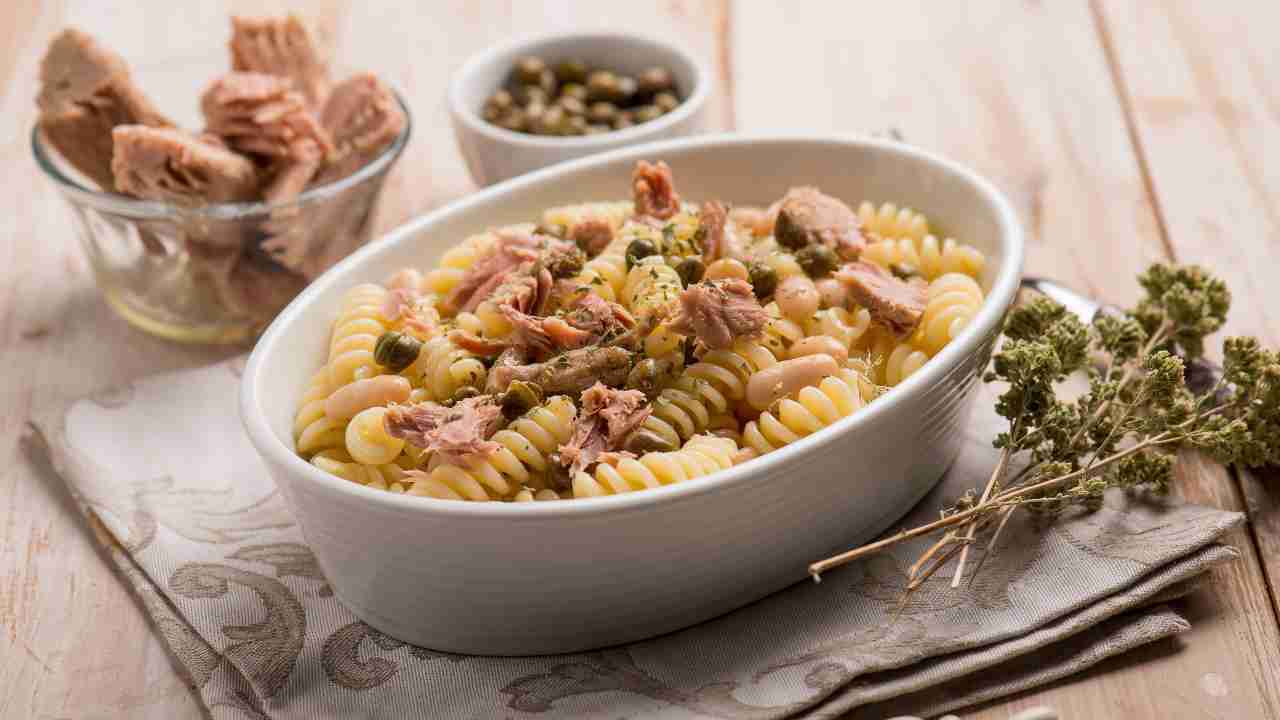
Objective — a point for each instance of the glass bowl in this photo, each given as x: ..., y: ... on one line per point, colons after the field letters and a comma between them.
x: 216, y: 273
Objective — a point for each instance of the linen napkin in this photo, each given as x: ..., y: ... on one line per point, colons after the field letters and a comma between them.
x: 164, y: 473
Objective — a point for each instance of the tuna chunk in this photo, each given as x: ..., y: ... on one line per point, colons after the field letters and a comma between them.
x: 605, y: 320
x: 571, y: 372
x: 607, y: 417
x: 896, y: 304
x: 284, y: 46
x: 590, y: 321
x: 459, y: 434
x: 472, y: 343
x: 807, y: 217
x: 364, y: 118
x: 592, y: 235
x: 171, y: 165
x: 291, y: 175
x: 654, y: 191
x: 510, y: 251
x: 718, y: 239
x: 719, y: 312
x: 85, y: 92
x: 261, y: 115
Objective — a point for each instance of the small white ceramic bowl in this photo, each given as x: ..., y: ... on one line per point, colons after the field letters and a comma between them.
x: 494, y: 154
x: 506, y: 579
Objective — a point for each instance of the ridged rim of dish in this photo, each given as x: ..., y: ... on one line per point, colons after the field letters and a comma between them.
x: 154, y: 209
x: 471, y: 118
x: 1001, y: 295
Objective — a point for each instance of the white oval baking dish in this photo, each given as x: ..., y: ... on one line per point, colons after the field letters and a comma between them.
x: 505, y: 579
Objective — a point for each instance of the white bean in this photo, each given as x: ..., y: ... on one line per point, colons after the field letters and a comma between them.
x: 347, y: 401
x: 726, y: 268
x: 820, y: 345
x: 786, y: 377
x: 797, y: 298
x: 831, y: 292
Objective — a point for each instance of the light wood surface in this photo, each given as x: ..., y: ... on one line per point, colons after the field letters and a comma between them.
x: 1124, y: 132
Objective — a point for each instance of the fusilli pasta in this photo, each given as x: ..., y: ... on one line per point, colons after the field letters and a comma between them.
x: 789, y: 356
x: 701, y: 455
x: 523, y: 458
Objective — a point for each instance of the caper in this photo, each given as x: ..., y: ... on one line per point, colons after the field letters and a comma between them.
x: 516, y: 120
x: 817, y: 261
x: 690, y: 270
x: 764, y: 280
x: 639, y: 249
x: 571, y: 70
x: 789, y: 233
x: 529, y: 94
x: 520, y: 398
x: 904, y: 271
x: 622, y: 119
x: 529, y: 69
x: 547, y: 82
x: 572, y: 105
x: 627, y: 87
x: 645, y: 113
x: 551, y: 121
x: 603, y: 85
x: 644, y: 441
x: 602, y: 112
x: 499, y: 103
x: 655, y: 80
x: 666, y: 102
x: 574, y: 90
x: 396, y: 351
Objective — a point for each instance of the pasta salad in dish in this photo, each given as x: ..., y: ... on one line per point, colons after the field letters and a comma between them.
x: 618, y: 346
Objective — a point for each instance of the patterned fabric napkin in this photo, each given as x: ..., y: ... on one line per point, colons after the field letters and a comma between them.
x: 166, y: 476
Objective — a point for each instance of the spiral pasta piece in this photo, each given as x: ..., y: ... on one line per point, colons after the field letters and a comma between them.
x: 367, y: 440
x: 780, y: 333
x: 701, y: 455
x: 388, y: 476
x: 606, y: 273
x: 713, y: 386
x: 805, y: 412
x: 523, y: 458
x: 313, y: 431
x: 650, y: 288
x: 848, y: 327
x: 889, y: 221
x: 355, y: 333
x: 442, y: 367
x: 901, y: 362
x: 930, y: 256
x: 567, y: 216
x: 456, y: 261
x: 952, y: 302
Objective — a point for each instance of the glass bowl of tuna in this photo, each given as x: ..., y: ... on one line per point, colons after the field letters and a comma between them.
x: 203, y: 236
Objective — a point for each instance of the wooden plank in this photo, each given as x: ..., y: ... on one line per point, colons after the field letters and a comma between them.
x: 1201, y: 81
x: 1023, y: 93
x: 73, y: 642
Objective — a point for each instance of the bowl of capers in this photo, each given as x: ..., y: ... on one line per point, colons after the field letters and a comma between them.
x: 538, y: 101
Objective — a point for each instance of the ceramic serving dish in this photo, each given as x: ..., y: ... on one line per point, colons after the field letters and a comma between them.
x: 494, y: 578
x: 494, y: 154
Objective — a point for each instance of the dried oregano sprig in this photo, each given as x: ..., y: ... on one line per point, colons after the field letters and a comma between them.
x: 1125, y: 431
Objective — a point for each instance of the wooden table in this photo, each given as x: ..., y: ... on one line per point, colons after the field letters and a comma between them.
x: 1125, y: 133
